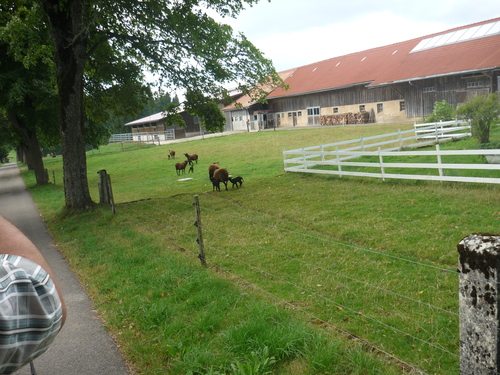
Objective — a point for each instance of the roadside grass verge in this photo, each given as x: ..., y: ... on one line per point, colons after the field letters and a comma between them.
x: 292, y: 259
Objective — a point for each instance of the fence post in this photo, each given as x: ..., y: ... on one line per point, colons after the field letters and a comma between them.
x: 479, y: 266
x: 440, y: 169
x: 105, y: 189
x: 197, y: 223
x: 338, y: 161
x: 284, y: 160
x: 381, y: 161
x: 110, y: 194
x: 102, y: 186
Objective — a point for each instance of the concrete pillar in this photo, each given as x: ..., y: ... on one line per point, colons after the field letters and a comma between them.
x: 479, y: 265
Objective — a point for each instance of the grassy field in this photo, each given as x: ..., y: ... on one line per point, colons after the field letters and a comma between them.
x: 307, y: 274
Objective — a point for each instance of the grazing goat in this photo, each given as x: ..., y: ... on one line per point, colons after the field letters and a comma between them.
x: 181, y: 166
x: 192, y: 157
x: 215, y: 184
x: 171, y: 154
x: 236, y: 181
x: 211, y: 169
x: 221, y: 175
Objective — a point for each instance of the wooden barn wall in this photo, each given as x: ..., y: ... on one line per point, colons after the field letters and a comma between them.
x: 454, y: 89
x: 419, y: 96
x: 335, y: 98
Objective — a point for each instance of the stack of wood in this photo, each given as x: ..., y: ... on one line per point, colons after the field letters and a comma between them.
x: 346, y: 118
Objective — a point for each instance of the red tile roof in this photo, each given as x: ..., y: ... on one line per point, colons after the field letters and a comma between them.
x: 395, y: 63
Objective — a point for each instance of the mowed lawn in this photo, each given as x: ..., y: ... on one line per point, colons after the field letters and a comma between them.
x: 306, y: 274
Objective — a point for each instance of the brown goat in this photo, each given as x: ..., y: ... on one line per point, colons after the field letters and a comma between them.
x: 181, y: 166
x: 211, y: 169
x: 192, y: 157
x: 171, y: 154
x: 221, y: 175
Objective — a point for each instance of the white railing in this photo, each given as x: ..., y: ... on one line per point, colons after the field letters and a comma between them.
x: 380, y: 162
x: 388, y: 142
x: 338, y: 158
x: 166, y: 135
x: 443, y: 129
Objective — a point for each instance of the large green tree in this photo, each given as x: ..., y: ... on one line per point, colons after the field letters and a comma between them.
x: 176, y: 39
x: 28, y: 95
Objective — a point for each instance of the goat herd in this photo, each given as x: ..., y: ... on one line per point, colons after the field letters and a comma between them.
x: 216, y: 174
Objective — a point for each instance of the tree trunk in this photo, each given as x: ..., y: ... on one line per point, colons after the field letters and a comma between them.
x: 31, y: 148
x: 68, y: 21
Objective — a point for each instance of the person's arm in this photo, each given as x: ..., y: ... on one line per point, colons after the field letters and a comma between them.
x: 14, y: 242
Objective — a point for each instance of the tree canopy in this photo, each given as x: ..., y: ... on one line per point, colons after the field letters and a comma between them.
x: 99, y: 46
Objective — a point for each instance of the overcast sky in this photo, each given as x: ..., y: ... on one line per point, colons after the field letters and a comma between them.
x: 293, y: 33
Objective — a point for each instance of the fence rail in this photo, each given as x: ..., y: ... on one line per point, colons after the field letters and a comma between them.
x: 337, y: 158
x: 308, y: 163
x: 166, y: 135
x: 443, y: 129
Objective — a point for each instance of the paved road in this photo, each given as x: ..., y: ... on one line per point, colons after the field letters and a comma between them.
x: 83, y: 347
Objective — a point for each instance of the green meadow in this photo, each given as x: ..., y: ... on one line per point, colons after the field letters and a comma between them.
x: 306, y: 273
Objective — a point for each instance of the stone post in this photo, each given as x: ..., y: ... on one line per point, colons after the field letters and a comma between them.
x: 479, y: 266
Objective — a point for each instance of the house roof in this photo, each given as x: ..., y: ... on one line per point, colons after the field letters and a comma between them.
x: 147, y: 120
x: 153, y: 118
x: 463, y: 49
x: 245, y: 100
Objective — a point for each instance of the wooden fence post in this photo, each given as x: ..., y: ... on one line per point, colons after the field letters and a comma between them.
x: 479, y: 271
x: 105, y: 189
x: 381, y: 161
x: 110, y: 194
x: 439, y: 162
x: 201, y: 255
x: 338, y: 161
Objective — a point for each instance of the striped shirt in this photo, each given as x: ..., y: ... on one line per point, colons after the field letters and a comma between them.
x: 30, y: 312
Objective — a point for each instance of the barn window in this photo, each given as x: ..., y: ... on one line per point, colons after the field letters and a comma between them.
x: 313, y: 111
x: 402, y: 106
x: 289, y: 114
x: 361, y: 107
x: 429, y: 89
x: 380, y: 107
x: 474, y: 84
x: 255, y: 117
x: 299, y: 113
x: 335, y: 109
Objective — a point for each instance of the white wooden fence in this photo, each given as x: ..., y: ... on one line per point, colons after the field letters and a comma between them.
x: 443, y: 129
x: 338, y: 158
x: 166, y: 135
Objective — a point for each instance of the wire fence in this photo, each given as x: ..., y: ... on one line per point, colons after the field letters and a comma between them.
x: 406, y: 309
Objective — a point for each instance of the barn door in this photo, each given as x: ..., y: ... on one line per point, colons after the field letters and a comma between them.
x: 313, y: 116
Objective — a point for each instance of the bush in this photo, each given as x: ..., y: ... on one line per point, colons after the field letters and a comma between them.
x: 482, y: 111
x: 442, y: 112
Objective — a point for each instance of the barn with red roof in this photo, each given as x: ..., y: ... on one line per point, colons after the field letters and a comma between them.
x: 395, y: 83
